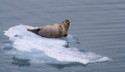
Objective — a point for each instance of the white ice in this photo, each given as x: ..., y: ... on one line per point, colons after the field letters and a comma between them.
x: 49, y: 48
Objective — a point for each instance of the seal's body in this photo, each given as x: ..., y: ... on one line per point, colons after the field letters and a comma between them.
x: 54, y: 30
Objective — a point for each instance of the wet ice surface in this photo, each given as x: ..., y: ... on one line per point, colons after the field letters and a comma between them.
x: 48, y: 50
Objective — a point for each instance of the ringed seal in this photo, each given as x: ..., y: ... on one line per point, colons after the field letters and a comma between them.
x: 54, y: 30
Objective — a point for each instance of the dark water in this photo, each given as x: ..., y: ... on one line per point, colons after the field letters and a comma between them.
x: 99, y: 25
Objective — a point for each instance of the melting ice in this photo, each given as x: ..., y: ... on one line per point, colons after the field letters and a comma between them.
x: 48, y: 50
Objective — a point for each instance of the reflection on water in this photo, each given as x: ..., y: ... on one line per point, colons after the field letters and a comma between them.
x: 61, y: 66
x: 26, y: 62
x: 21, y: 62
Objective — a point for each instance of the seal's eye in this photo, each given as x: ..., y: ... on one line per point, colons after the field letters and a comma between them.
x: 66, y: 21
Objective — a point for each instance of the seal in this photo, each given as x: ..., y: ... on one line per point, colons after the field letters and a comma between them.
x: 53, y: 30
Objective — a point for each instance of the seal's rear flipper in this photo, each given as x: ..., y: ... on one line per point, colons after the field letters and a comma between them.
x: 34, y: 30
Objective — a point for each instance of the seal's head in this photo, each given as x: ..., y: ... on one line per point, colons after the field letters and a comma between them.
x: 64, y: 27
